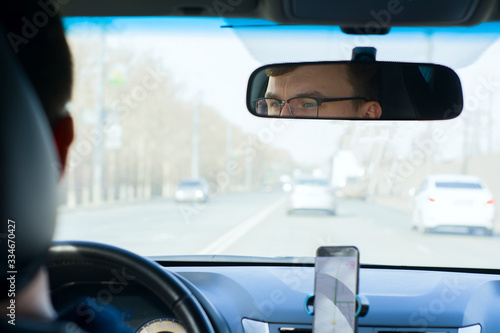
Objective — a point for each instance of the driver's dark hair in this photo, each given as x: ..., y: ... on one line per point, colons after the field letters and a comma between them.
x: 44, y: 55
x: 364, y: 79
x: 279, y: 70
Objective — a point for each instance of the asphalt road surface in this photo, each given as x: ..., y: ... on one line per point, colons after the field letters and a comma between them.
x: 257, y: 224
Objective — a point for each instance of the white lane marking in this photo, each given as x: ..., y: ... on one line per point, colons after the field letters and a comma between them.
x: 241, y: 229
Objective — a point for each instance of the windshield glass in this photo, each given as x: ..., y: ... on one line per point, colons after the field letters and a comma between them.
x: 312, y: 182
x: 458, y: 185
x: 189, y: 184
x: 158, y: 101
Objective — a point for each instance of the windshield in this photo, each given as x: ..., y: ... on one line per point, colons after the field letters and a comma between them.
x: 189, y: 184
x: 458, y: 185
x: 312, y: 182
x: 158, y: 101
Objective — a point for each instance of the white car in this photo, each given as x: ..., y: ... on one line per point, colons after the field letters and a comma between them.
x: 192, y: 190
x: 453, y: 203
x: 309, y: 193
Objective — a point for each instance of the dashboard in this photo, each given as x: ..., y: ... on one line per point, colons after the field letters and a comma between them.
x: 271, y: 298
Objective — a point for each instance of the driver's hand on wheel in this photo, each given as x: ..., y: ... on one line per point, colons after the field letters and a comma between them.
x: 89, y: 315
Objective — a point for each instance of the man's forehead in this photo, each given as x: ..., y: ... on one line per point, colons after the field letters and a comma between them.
x: 319, y: 69
x: 304, y: 93
x: 307, y: 79
x: 312, y: 73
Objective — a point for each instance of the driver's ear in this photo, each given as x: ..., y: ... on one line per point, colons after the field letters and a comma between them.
x: 371, y: 110
x: 63, y: 131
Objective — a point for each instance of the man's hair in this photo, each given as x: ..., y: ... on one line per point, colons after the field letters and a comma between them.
x: 38, y: 40
x: 364, y: 79
x: 279, y: 70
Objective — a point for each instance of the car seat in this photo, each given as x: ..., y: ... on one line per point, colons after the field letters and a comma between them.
x: 28, y: 177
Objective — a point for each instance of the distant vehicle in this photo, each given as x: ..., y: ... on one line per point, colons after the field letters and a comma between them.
x: 348, y: 175
x: 310, y: 193
x: 453, y: 203
x: 192, y: 190
x: 355, y: 187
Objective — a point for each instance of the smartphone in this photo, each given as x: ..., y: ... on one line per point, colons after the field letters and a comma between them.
x: 335, y: 289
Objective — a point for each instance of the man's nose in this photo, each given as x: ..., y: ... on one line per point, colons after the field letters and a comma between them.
x: 285, y: 111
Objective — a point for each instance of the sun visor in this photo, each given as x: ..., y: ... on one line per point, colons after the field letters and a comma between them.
x: 454, y: 47
x: 385, y: 13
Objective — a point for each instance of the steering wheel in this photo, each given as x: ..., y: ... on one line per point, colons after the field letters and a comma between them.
x: 77, y: 261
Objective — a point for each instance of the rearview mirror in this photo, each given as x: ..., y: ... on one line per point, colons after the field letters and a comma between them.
x: 355, y: 90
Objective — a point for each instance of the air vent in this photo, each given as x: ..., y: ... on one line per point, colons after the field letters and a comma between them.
x: 289, y: 328
x: 469, y: 329
x: 417, y: 330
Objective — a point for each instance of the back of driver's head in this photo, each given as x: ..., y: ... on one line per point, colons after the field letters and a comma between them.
x: 36, y: 34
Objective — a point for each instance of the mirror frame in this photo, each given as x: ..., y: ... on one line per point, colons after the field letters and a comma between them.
x: 450, y: 111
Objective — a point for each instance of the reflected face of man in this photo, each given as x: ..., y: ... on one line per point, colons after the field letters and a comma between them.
x: 320, y: 81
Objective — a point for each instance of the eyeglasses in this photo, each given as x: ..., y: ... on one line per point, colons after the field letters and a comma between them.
x: 300, y: 107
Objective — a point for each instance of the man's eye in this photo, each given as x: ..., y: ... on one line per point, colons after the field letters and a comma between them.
x: 275, y: 104
x: 307, y: 104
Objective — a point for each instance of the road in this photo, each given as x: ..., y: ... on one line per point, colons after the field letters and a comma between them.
x: 256, y: 224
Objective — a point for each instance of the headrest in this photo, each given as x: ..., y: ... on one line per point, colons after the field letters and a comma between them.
x: 28, y: 176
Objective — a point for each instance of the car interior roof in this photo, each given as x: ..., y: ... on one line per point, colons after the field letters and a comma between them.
x: 352, y: 13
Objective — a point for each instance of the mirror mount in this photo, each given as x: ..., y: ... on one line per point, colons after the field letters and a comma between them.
x: 364, y: 54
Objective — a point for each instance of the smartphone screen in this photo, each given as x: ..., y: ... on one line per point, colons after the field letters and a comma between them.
x: 335, y: 289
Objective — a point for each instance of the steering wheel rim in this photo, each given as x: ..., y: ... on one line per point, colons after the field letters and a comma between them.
x: 124, y: 266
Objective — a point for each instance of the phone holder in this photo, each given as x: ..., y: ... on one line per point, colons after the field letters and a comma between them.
x: 362, y: 305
